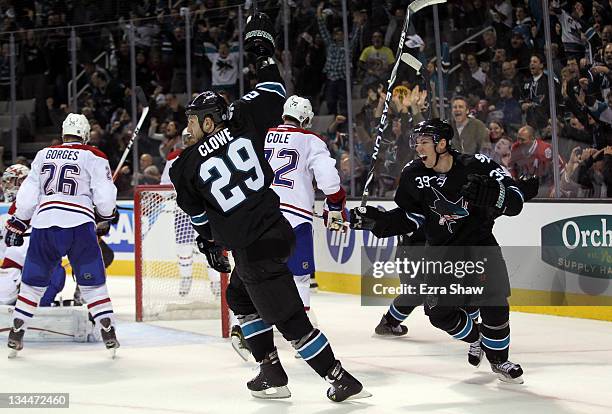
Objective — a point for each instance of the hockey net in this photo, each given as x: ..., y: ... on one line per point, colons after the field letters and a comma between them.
x: 172, y: 277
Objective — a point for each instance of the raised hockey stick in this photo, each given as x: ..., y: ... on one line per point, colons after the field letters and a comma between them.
x: 142, y: 99
x: 413, y: 62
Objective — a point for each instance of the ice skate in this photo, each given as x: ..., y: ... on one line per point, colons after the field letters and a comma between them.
x: 384, y: 328
x: 185, y: 285
x: 508, y: 372
x: 475, y: 353
x: 107, y: 330
x: 343, y: 385
x: 240, y: 344
x: 15, y: 338
x: 271, y: 381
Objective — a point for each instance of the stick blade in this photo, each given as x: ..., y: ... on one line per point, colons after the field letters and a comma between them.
x: 411, y: 61
x: 417, y: 5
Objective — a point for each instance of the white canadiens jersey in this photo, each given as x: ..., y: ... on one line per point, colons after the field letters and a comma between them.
x: 297, y: 156
x: 66, y: 185
x: 165, y: 177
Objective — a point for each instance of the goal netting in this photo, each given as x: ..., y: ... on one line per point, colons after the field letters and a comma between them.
x: 172, y: 277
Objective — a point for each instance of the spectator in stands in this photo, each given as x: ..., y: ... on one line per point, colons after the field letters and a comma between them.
x: 177, y: 111
x: 308, y: 63
x: 375, y: 61
x: 471, y: 135
x: 518, y: 52
x: 5, y: 72
x: 534, y: 97
x: 497, y: 131
x: 507, y: 105
x: 510, y: 73
x: 144, y: 75
x: 107, y: 95
x: 224, y: 69
x: 172, y: 140
x: 532, y: 156
x: 594, y: 172
x: 148, y: 171
x: 335, y: 66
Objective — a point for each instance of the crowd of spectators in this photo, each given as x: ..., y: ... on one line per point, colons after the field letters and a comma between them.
x: 495, y: 95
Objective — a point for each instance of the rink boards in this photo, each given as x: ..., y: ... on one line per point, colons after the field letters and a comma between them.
x: 557, y: 283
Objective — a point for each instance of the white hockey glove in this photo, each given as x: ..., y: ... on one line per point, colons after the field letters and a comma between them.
x: 334, y: 211
x: 15, y: 229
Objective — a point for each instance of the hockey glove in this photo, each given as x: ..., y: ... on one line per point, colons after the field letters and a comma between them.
x: 15, y: 229
x: 113, y: 218
x: 483, y: 191
x: 214, y: 255
x: 334, y: 212
x: 259, y: 37
x: 529, y: 186
x: 364, y: 218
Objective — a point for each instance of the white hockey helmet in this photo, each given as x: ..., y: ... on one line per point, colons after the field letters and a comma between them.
x: 77, y: 125
x: 11, y: 181
x: 299, y: 109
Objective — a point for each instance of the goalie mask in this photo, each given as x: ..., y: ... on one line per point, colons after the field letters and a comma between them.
x: 11, y: 181
x: 76, y: 125
x: 299, y: 109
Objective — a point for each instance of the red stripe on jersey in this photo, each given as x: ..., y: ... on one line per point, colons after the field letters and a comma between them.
x: 94, y: 150
x: 28, y: 301
x: 297, y: 208
x: 12, y: 208
x: 99, y: 302
x: 174, y: 154
x: 10, y: 264
x: 295, y: 129
x: 66, y: 204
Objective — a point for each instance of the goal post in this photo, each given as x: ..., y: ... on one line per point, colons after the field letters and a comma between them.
x: 172, y: 278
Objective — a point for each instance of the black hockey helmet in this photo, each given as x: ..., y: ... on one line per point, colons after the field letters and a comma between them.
x: 436, y: 128
x: 209, y: 104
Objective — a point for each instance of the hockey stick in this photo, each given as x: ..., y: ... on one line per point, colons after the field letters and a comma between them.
x: 410, y: 60
x: 142, y: 99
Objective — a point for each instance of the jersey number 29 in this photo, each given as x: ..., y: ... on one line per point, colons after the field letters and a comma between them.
x: 241, y: 157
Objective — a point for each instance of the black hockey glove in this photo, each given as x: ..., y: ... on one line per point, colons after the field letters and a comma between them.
x: 214, y: 255
x: 529, y: 186
x: 15, y: 229
x: 483, y: 191
x: 364, y: 218
x: 259, y: 35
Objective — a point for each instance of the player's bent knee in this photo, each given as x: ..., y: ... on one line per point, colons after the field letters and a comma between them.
x: 276, y: 299
x: 296, y: 327
x: 445, y: 318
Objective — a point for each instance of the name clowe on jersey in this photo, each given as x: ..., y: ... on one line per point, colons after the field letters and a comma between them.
x: 214, y: 142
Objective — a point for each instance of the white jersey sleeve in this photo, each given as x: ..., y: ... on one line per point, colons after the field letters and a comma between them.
x: 297, y: 157
x: 68, y: 184
x: 165, y: 177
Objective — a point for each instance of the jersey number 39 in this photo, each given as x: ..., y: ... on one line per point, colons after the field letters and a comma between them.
x: 241, y: 157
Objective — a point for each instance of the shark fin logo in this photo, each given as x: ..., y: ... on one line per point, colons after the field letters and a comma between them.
x: 448, y: 211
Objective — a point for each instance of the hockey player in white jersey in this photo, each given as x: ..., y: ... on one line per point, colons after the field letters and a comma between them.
x: 184, y: 233
x: 69, y: 189
x: 298, y: 156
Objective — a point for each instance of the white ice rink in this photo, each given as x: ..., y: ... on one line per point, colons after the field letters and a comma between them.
x: 185, y: 367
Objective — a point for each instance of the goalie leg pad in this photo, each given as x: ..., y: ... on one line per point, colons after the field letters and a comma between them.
x: 9, y: 285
